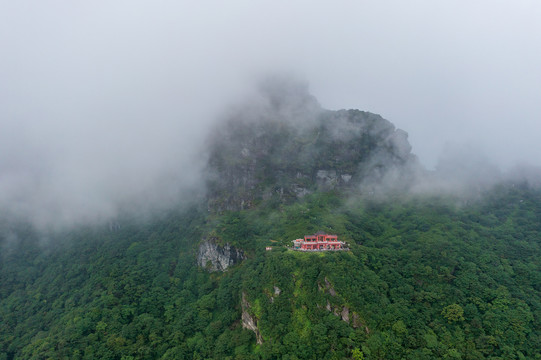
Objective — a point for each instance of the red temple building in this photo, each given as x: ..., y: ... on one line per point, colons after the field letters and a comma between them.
x: 319, y: 242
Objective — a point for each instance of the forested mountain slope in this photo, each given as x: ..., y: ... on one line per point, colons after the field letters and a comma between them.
x: 424, y: 279
x: 426, y: 276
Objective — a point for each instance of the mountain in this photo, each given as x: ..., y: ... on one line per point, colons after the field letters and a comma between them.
x: 286, y: 146
x: 426, y: 276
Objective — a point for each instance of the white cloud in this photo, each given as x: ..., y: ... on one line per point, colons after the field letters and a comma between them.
x: 101, y: 101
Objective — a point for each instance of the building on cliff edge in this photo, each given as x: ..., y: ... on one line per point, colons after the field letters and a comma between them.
x: 319, y: 242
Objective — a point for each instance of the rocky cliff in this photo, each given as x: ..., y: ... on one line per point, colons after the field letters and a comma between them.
x: 215, y: 257
x: 249, y: 321
x: 286, y: 146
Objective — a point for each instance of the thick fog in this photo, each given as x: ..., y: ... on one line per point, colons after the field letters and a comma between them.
x: 106, y: 103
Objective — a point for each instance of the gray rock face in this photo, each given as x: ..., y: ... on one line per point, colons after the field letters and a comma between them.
x: 345, y: 178
x: 299, y: 191
x: 287, y: 147
x: 248, y: 321
x: 329, y: 287
x: 215, y: 257
x: 345, y: 314
x: 327, y: 178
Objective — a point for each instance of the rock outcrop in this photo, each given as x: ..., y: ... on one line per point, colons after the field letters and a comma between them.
x: 277, y: 292
x: 215, y: 257
x: 342, y: 311
x: 286, y: 146
x: 344, y: 314
x: 248, y: 321
x: 328, y: 287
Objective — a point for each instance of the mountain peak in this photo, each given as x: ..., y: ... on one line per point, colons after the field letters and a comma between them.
x: 287, y: 146
x: 288, y: 95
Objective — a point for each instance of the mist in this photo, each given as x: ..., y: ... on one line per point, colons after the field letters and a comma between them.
x: 106, y: 105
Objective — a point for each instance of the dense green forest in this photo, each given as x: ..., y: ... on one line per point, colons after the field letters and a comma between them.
x: 426, y: 277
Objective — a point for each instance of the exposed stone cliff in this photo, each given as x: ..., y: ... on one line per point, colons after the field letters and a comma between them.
x: 249, y: 321
x: 215, y: 257
x: 286, y: 146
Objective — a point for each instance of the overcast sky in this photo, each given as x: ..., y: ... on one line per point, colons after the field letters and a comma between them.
x: 102, y: 100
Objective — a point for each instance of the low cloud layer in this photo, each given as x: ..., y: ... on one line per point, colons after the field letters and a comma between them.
x: 104, y: 104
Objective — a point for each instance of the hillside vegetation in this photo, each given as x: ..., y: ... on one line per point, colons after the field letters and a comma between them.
x: 426, y: 276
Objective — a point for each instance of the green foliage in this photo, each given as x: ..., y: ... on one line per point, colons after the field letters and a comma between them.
x: 357, y: 354
x: 425, y: 278
x: 453, y: 313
